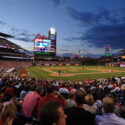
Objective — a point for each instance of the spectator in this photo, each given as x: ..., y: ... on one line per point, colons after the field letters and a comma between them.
x: 89, y: 99
x: 70, y: 101
x: 123, y: 86
x: 50, y: 96
x: 63, y: 89
x: 24, y: 92
x: 109, y: 118
x: 8, y: 96
x: 76, y: 115
x: 30, y: 101
x: 52, y: 114
x: 8, y: 114
x: 1, y: 107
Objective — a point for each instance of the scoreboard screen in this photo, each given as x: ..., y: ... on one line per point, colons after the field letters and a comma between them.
x: 42, y: 45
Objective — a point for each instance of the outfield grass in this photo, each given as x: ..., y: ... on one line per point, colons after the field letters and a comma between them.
x: 79, y: 73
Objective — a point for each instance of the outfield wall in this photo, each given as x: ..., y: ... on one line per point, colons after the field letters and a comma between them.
x: 116, y: 64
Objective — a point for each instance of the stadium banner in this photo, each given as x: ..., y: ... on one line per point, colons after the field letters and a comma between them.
x: 109, y: 65
x: 46, y: 64
x: 38, y: 64
x: 67, y: 64
x: 76, y: 64
x: 53, y: 64
x: 122, y: 65
x: 106, y: 65
x: 113, y: 65
x: 59, y: 64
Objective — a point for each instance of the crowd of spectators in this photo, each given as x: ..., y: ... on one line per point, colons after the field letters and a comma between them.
x: 7, y: 44
x: 55, y: 102
x: 30, y: 101
x: 8, y: 64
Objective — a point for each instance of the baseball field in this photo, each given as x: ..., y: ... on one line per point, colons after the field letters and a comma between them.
x: 74, y: 73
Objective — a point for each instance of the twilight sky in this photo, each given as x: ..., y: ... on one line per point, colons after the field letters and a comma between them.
x: 83, y: 27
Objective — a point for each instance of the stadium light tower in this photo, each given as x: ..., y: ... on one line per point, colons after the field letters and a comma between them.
x: 52, y: 36
x: 52, y: 31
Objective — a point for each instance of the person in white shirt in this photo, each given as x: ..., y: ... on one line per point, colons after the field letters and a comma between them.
x: 70, y: 101
x: 109, y: 117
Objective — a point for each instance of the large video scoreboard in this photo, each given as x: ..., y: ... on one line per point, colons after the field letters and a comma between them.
x: 44, y: 46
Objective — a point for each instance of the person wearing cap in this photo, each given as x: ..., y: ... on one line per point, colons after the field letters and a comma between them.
x: 8, y: 96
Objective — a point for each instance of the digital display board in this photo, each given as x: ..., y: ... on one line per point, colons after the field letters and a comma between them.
x: 42, y: 45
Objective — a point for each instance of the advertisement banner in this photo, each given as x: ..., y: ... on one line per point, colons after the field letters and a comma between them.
x: 67, y: 64
x: 122, y: 65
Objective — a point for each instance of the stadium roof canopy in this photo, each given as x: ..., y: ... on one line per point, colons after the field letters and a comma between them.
x: 5, y: 35
x: 4, y: 43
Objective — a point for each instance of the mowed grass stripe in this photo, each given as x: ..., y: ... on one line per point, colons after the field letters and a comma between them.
x: 74, y: 71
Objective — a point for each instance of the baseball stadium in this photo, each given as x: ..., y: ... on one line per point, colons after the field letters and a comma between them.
x: 44, y: 64
x: 41, y: 80
x: 62, y: 62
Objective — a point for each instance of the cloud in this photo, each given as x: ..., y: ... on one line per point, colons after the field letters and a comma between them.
x: 57, y: 2
x: 9, y: 2
x: 103, y: 16
x: 22, y: 34
x: 2, y: 23
x: 69, y: 39
x: 113, y: 35
x: 19, y: 34
x: 102, y: 28
x: 25, y: 39
x: 83, y: 17
x: 101, y: 35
